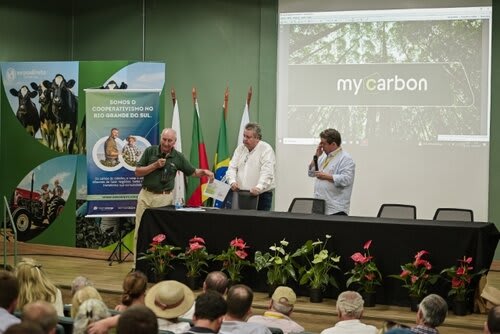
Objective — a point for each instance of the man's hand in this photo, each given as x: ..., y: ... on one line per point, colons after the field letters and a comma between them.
x: 255, y: 191
x: 160, y: 163
x: 235, y: 186
x: 319, y: 150
x: 210, y: 175
x: 323, y: 176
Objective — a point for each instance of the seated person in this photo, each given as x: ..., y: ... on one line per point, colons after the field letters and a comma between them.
x: 137, y: 319
x: 89, y: 312
x: 88, y: 292
x: 210, y: 308
x: 41, y: 313
x: 134, y: 290
x: 431, y: 313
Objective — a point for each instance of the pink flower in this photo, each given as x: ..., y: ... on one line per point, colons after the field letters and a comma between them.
x: 414, y: 279
x: 193, y: 247
x: 370, y: 276
x: 457, y: 283
x: 241, y: 254
x: 467, y: 260
x: 367, y: 244
x: 196, y: 239
x: 420, y: 254
x: 460, y: 271
x: 357, y: 257
x: 405, y: 273
x: 159, y: 238
x: 238, y: 243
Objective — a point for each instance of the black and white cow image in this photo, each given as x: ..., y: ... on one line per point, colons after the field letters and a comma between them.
x: 27, y: 113
x: 113, y: 85
x: 65, y: 109
x: 47, y: 117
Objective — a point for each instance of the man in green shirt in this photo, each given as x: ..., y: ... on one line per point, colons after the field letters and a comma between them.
x: 159, y: 165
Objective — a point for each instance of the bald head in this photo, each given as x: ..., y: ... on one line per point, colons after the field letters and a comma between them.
x: 168, y: 139
x: 217, y: 281
x: 42, y: 313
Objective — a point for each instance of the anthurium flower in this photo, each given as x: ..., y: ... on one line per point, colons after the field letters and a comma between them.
x: 365, y: 273
x: 367, y: 244
x: 195, y: 257
x: 461, y: 277
x: 196, y: 239
x: 241, y: 254
x: 158, y: 239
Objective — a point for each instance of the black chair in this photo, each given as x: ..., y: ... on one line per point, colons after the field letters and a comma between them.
x: 307, y: 205
x: 464, y: 215
x: 400, y: 211
x: 275, y: 330
x: 244, y: 200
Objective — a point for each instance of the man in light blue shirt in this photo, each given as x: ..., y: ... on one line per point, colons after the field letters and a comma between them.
x: 334, y: 171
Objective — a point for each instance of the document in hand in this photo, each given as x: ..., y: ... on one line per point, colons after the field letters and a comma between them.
x: 217, y: 190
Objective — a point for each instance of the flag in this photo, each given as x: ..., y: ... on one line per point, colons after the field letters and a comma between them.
x: 245, y: 118
x: 198, y: 158
x: 221, y: 161
x: 180, y: 185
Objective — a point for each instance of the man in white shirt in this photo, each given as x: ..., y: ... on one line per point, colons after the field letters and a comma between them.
x: 280, y: 308
x: 9, y: 292
x: 350, y: 309
x: 252, y: 167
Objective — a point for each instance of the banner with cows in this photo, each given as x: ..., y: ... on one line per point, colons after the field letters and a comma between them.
x: 43, y: 146
x: 124, y: 123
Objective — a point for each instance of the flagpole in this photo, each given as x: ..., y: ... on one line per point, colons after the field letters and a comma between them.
x: 172, y: 92
x: 194, y: 95
x: 226, y: 99
x: 249, y: 96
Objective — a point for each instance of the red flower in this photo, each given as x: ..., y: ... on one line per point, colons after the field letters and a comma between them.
x: 196, y: 239
x: 241, y: 254
x: 238, y: 243
x: 414, y: 279
x: 405, y: 273
x: 367, y: 244
x: 193, y: 247
x: 159, y: 238
x: 457, y: 283
x: 460, y: 271
x: 357, y: 257
x: 370, y: 276
x: 467, y: 260
x: 420, y: 254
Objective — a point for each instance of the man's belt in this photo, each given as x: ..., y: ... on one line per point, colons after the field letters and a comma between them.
x: 157, y: 192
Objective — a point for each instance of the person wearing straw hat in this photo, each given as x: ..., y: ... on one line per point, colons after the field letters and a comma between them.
x: 169, y: 300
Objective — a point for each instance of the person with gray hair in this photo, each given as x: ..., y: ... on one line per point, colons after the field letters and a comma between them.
x: 280, y: 309
x: 350, y: 309
x: 431, y: 313
x: 492, y: 324
x: 78, y: 283
x: 90, y: 311
x: 42, y: 313
x: 252, y: 167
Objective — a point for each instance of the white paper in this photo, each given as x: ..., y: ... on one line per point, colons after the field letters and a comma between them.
x: 217, y: 190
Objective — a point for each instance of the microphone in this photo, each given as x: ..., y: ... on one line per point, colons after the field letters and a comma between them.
x: 164, y: 172
x: 315, y: 158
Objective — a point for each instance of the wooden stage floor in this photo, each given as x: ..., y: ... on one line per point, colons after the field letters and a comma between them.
x: 63, y: 264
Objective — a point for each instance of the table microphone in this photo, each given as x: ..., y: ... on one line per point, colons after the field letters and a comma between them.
x: 315, y: 158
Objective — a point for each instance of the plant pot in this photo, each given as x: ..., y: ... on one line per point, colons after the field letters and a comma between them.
x: 414, y: 301
x: 459, y: 307
x: 369, y: 298
x: 315, y: 295
x: 192, y: 282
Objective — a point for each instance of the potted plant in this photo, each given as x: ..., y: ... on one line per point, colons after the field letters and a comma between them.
x: 279, y: 265
x: 365, y: 275
x: 460, y: 277
x: 234, y: 259
x: 195, y: 259
x: 417, y: 277
x: 160, y: 256
x: 319, y: 262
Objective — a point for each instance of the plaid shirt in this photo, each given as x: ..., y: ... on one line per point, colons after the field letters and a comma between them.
x: 131, y: 153
x: 421, y: 329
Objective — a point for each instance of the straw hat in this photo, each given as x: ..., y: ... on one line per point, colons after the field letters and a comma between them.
x: 169, y: 299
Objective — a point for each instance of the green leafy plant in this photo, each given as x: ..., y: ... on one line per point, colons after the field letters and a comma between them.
x: 234, y: 259
x: 319, y: 261
x: 160, y: 255
x: 195, y: 257
x: 279, y: 264
x: 461, y: 277
x: 365, y: 273
x: 416, y: 275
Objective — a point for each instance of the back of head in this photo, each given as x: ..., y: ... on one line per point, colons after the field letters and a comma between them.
x: 217, y: 281
x: 24, y: 328
x: 9, y: 289
x: 90, y: 311
x: 493, y: 321
x: 433, y: 310
x: 80, y: 282
x: 137, y: 319
x: 350, y: 305
x: 239, y: 301
x: 283, y: 300
x: 88, y: 292
x: 42, y: 313
x: 210, y: 305
x: 134, y: 286
x: 34, y: 284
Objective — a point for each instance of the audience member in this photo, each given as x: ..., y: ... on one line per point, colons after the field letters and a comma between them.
x: 280, y: 308
x: 400, y: 330
x: 492, y: 325
x: 391, y: 325
x: 78, y: 283
x: 239, y: 308
x: 431, y: 313
x: 89, y: 312
x: 215, y: 281
x: 350, y: 309
x: 43, y: 313
x: 210, y: 308
x: 134, y: 290
x: 24, y: 328
x: 169, y: 300
x: 35, y: 285
x: 9, y: 291
x: 85, y: 293
x: 137, y: 319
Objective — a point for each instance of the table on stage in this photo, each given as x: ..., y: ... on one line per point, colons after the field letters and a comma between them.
x: 395, y: 241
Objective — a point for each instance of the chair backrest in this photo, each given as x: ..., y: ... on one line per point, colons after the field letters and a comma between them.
x: 244, y: 200
x: 307, y: 205
x: 275, y: 330
x: 465, y: 215
x: 401, y: 211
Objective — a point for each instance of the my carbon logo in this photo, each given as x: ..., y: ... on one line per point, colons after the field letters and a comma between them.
x: 391, y: 84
